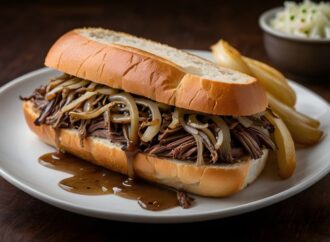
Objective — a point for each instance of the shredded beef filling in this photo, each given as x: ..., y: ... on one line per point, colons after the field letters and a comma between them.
x: 156, y: 129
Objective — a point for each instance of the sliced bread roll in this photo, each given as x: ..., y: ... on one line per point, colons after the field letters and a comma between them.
x: 156, y: 71
x: 208, y: 180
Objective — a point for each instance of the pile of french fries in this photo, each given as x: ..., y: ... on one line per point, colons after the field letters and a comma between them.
x: 291, y: 125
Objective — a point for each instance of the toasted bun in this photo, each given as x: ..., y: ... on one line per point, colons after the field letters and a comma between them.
x: 156, y: 71
x: 211, y: 180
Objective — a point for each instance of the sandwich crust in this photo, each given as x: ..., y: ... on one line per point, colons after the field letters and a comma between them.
x: 207, y: 180
x: 146, y: 74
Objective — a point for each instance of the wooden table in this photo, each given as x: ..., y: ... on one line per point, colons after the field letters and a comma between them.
x: 27, y: 31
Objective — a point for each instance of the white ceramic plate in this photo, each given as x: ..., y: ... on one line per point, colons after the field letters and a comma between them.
x: 20, y: 149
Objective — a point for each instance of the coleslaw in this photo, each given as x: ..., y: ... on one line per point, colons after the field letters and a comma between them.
x: 306, y: 19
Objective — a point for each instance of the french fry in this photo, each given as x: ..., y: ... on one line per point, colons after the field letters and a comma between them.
x: 285, y: 153
x: 303, y: 130
x: 271, y: 71
x: 227, y: 56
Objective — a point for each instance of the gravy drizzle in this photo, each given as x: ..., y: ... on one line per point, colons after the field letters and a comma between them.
x: 89, y: 179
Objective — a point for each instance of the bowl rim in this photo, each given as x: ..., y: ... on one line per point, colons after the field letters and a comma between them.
x: 264, y: 25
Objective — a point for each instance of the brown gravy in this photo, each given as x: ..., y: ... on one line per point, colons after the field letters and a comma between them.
x: 130, y: 156
x: 89, y: 179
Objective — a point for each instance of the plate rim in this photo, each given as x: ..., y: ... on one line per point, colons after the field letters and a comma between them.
x: 159, y: 218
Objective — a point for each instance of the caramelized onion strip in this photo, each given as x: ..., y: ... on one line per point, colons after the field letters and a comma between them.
x: 200, y: 150
x: 175, y: 119
x: 106, y: 91
x: 246, y: 122
x: 91, y: 114
x: 120, y: 118
x: 77, y: 101
x: 195, y: 123
x: 52, y: 94
x: 225, y: 147
x: 133, y: 111
x: 154, y: 127
x: 194, y: 133
x: 77, y: 85
x: 54, y: 83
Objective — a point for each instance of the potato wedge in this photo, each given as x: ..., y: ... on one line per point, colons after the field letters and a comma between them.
x: 285, y: 153
x: 309, y: 121
x: 278, y: 89
x: 271, y: 71
x: 299, y: 125
x: 304, y: 134
x: 282, y: 98
x: 227, y: 56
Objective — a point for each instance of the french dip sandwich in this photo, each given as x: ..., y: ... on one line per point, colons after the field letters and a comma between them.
x: 151, y: 111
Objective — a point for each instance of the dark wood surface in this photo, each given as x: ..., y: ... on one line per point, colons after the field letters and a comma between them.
x: 28, y: 30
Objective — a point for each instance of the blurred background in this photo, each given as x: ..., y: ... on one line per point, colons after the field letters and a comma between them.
x: 28, y: 28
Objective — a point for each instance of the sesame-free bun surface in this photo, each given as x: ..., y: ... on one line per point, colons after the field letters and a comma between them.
x: 156, y: 71
x: 208, y: 180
